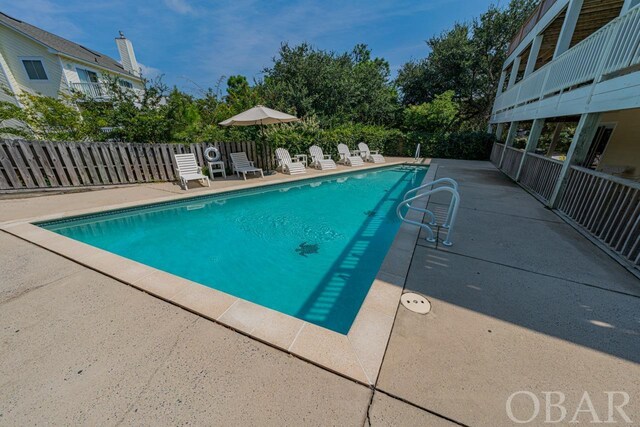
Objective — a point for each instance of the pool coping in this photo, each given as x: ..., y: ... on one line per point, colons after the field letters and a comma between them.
x: 357, y: 355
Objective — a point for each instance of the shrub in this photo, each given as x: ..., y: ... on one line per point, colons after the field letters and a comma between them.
x: 456, y: 145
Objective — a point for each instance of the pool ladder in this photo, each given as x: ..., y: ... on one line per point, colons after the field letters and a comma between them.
x: 450, y: 186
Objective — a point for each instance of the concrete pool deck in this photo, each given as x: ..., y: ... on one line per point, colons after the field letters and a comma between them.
x: 520, y: 302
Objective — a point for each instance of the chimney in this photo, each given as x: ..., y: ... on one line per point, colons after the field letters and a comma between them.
x: 127, y: 56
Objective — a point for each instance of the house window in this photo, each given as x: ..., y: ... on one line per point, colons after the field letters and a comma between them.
x: 87, y: 76
x: 125, y: 83
x: 35, y: 69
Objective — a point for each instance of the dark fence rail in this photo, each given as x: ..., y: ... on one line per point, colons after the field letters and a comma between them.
x: 44, y: 164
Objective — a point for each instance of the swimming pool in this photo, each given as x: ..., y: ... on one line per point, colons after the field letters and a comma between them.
x: 309, y: 249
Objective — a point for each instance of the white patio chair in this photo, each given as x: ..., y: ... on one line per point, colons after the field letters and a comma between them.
x: 368, y: 155
x: 319, y: 160
x: 241, y: 165
x: 347, y: 157
x: 188, y: 170
x: 292, y: 167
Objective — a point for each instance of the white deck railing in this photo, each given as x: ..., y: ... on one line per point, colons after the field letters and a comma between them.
x: 613, y: 48
x: 496, y: 153
x: 607, y: 207
x: 93, y: 90
x: 511, y: 162
x: 540, y: 174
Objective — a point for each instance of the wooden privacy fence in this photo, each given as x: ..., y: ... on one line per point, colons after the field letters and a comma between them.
x: 44, y: 164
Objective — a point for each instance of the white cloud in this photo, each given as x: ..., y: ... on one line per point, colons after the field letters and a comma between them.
x: 149, y: 72
x: 180, y: 6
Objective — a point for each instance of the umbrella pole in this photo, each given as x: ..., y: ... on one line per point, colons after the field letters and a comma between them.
x: 267, y: 158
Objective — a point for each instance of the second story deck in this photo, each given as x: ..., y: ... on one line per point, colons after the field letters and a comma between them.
x: 572, y: 57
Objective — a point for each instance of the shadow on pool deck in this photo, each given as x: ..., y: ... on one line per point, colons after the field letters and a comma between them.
x: 520, y: 302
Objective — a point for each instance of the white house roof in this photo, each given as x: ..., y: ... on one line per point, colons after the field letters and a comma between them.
x: 64, y: 46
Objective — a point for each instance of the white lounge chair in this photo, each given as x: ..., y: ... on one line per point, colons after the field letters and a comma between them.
x: 242, y: 165
x: 368, y: 155
x: 319, y: 160
x: 347, y: 157
x: 292, y: 167
x: 188, y: 170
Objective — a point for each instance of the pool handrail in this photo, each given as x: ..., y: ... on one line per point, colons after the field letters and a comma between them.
x: 451, y: 214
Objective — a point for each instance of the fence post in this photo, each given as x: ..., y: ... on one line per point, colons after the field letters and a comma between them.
x: 578, y: 150
x: 532, y: 143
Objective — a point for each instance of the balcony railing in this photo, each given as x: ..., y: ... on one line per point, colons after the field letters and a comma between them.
x: 613, y: 48
x: 531, y: 22
x: 540, y: 175
x: 496, y: 153
x: 603, y: 206
x: 511, y: 161
x: 92, y: 90
x: 608, y: 208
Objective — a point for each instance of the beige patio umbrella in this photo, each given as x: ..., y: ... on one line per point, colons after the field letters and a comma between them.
x: 259, y: 116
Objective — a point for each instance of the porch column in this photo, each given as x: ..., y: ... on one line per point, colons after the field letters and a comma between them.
x: 568, y: 26
x: 532, y: 143
x: 533, y: 55
x: 499, y: 130
x: 503, y: 77
x: 555, y: 138
x: 490, y: 128
x: 578, y: 150
x: 509, y: 142
x: 514, y: 72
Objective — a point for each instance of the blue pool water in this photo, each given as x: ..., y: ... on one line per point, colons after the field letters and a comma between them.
x: 309, y: 249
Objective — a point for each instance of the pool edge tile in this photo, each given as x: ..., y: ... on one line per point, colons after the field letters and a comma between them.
x: 203, y: 300
x: 330, y: 350
x: 161, y: 284
x: 368, y: 336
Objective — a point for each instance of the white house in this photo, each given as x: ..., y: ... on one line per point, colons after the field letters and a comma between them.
x: 36, y: 61
x: 576, y: 63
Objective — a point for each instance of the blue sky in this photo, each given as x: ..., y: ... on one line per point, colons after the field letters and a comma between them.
x: 194, y: 43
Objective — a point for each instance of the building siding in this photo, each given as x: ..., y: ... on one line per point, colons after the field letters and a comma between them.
x: 623, y: 148
x: 61, y: 70
x: 14, y: 46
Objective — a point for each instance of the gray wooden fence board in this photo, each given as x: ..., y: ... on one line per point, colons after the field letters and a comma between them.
x: 144, y: 163
x: 57, y: 164
x: 14, y: 181
x: 33, y: 163
x: 128, y: 167
x: 135, y: 163
x: 106, y: 156
x: 74, y: 149
x: 117, y: 163
x: 102, y: 169
x: 21, y: 167
x: 153, y: 167
x: 68, y: 164
x: 46, y: 164
x: 92, y: 168
x: 159, y: 162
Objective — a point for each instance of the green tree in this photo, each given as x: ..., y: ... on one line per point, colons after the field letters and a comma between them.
x: 436, y: 116
x: 43, y: 118
x: 466, y: 59
x: 337, y: 88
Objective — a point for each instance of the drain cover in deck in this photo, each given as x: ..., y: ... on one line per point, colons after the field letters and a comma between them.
x: 416, y: 303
